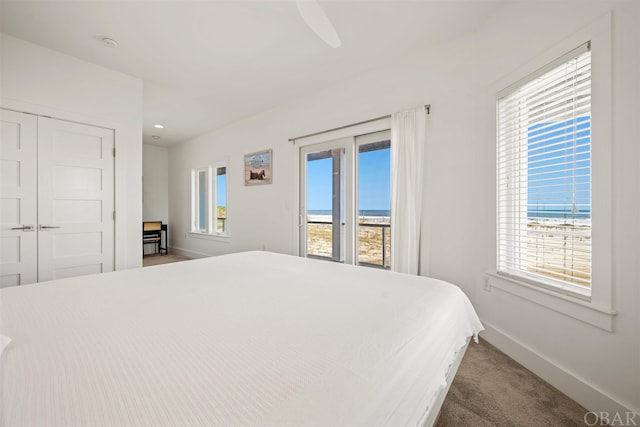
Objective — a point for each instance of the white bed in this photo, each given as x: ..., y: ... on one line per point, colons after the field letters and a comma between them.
x: 252, y: 338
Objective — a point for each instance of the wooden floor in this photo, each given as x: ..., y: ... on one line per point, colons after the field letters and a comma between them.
x: 157, y: 259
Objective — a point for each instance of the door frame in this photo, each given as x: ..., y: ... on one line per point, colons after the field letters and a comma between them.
x: 347, y: 218
x: 127, y: 178
x: 298, y: 144
x: 81, y: 120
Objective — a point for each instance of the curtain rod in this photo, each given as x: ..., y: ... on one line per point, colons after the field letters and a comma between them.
x: 426, y: 107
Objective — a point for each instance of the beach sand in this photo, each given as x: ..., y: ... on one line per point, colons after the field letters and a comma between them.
x: 369, y: 240
x: 553, y: 251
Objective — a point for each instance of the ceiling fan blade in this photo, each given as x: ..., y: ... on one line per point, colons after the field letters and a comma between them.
x: 318, y: 21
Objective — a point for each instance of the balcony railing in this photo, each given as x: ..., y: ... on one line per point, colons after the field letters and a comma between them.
x: 560, y: 251
x: 374, y: 242
x: 221, y: 225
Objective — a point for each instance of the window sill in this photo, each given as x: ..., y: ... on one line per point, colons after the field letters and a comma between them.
x: 215, y: 237
x: 585, y: 311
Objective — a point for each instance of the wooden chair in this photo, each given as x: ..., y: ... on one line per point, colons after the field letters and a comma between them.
x: 152, y: 234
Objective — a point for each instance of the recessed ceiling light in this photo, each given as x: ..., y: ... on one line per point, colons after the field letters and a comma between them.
x: 158, y: 126
x: 110, y: 42
x: 155, y: 137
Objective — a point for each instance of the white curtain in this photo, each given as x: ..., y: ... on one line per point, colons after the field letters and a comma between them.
x: 408, y: 135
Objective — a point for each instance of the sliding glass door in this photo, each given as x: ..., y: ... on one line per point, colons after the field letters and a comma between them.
x: 326, y: 200
x: 374, y: 200
x: 345, y: 200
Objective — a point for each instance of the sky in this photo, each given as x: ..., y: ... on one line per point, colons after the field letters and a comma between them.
x: 374, y: 174
x: 555, y: 170
x: 222, y: 190
x: 559, y: 166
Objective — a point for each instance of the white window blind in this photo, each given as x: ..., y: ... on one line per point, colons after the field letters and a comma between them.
x: 544, y: 175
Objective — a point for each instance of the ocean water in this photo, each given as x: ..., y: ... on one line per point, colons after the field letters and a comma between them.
x: 558, y: 214
x: 370, y: 212
x: 537, y: 215
x: 533, y: 214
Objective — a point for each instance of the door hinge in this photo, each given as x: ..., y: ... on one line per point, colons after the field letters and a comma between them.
x: 114, y: 152
x: 114, y: 215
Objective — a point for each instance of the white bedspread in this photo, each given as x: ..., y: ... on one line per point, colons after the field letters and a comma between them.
x: 253, y: 338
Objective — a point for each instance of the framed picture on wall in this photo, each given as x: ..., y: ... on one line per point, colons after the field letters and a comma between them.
x: 258, y: 168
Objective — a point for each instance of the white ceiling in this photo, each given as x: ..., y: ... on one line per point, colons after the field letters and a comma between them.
x: 207, y: 63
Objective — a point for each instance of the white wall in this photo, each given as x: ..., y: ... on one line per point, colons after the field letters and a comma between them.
x: 155, y: 186
x: 45, y: 82
x: 599, y: 369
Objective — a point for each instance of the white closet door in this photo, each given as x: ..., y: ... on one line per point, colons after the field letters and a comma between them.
x: 18, y: 198
x: 75, y: 199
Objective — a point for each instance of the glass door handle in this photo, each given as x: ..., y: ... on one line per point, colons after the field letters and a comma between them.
x: 24, y: 228
x: 48, y: 227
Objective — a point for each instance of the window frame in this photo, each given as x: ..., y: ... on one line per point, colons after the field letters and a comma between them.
x: 210, y: 212
x: 214, y: 199
x: 195, y: 200
x: 519, y: 168
x: 596, y: 310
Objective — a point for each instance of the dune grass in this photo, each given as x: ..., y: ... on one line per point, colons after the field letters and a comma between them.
x: 319, y: 238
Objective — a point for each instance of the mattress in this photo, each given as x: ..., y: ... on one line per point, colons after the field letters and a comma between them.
x: 252, y: 338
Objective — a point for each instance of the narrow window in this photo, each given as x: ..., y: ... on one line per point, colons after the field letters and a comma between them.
x: 221, y: 200
x: 199, y: 200
x: 209, y: 189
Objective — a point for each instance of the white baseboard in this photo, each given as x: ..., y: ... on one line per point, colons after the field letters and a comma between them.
x: 187, y: 253
x: 585, y: 394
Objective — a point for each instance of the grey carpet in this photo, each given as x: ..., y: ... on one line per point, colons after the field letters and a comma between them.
x: 491, y: 389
